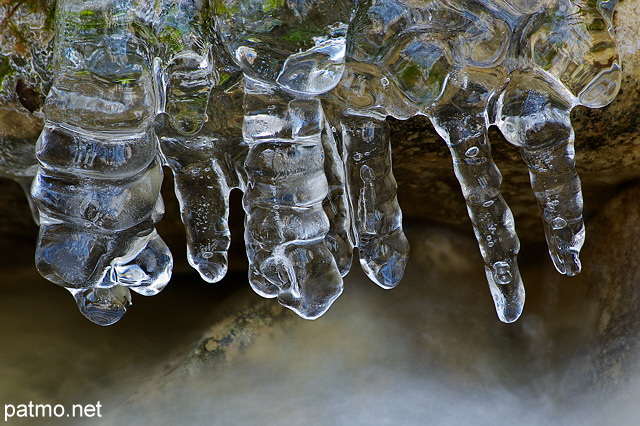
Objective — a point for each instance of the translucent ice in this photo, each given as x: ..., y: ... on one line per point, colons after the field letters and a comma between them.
x: 382, y: 246
x: 286, y: 101
x: 24, y: 77
x: 457, y: 63
x: 289, y: 54
x: 98, y: 184
x: 186, y: 73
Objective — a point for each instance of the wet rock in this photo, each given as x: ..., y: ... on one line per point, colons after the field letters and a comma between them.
x: 607, y: 152
x: 613, y: 274
x: 606, y: 139
x: 430, y: 351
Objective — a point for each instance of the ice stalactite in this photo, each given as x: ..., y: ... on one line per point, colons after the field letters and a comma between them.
x: 455, y: 63
x: 288, y: 234
x: 377, y: 220
x: 187, y: 74
x: 287, y: 101
x: 465, y: 131
x: 286, y: 225
x: 98, y: 184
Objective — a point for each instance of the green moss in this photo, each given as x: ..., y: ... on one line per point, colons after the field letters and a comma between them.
x: 297, y: 36
x: 85, y: 20
x: 223, y: 78
x: 410, y: 75
x: 171, y: 37
x: 127, y: 81
x: 302, y: 38
x: 222, y: 7
x: 6, y: 69
x: 268, y: 5
x: 51, y: 18
x: 597, y: 25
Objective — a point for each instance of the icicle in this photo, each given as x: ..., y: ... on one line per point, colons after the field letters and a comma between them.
x: 286, y: 224
x: 533, y: 113
x: 461, y: 121
x: 336, y: 205
x: 186, y: 74
x: 98, y: 185
x: 382, y: 246
x: 290, y: 242
x: 288, y: 103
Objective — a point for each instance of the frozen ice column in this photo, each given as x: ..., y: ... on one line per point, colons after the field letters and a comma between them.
x: 576, y: 63
x: 286, y: 225
x: 383, y: 248
x: 290, y: 54
x: 98, y: 184
x: 461, y: 120
x: 186, y: 71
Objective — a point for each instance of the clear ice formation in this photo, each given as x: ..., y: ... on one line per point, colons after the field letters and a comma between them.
x: 98, y: 184
x: 287, y: 101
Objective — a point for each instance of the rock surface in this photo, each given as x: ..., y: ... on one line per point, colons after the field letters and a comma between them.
x: 607, y: 152
x: 607, y: 140
x: 613, y: 275
x: 432, y: 349
x: 429, y: 351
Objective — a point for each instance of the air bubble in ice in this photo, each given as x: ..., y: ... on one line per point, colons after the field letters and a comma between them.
x: 472, y: 152
x: 502, y: 273
x: 558, y: 223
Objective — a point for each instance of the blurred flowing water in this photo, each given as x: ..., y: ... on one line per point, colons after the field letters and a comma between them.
x: 429, y: 352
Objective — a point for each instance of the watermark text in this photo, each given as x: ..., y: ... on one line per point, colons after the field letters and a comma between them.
x: 32, y: 410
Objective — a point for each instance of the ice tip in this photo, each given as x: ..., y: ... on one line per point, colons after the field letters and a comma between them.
x: 388, y: 275
x: 103, y: 306
x: 385, y: 265
x: 567, y: 262
x: 261, y: 285
x: 309, y: 309
x: 507, y: 290
x: 211, y: 271
x: 101, y: 315
x: 509, y: 313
